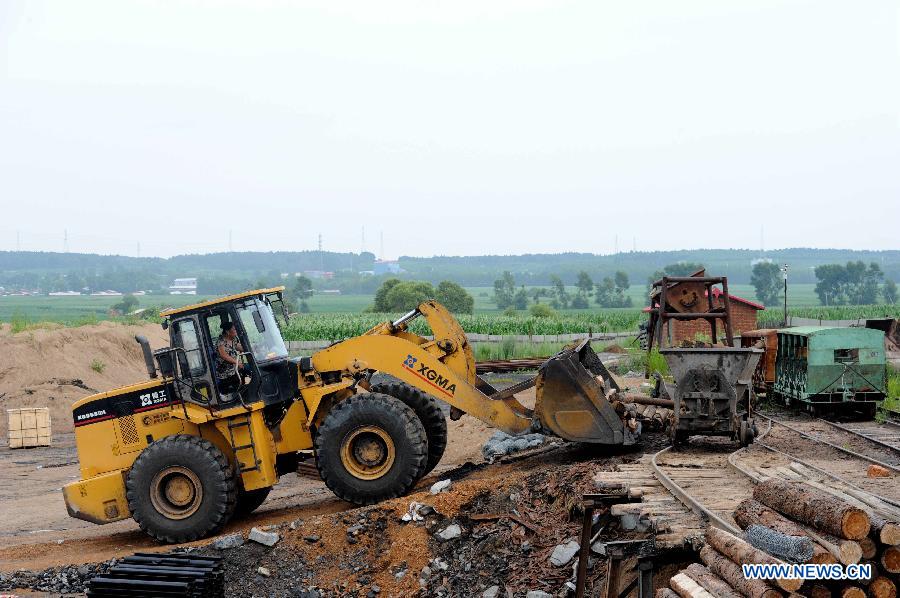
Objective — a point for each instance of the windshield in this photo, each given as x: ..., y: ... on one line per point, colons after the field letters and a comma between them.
x: 262, y: 330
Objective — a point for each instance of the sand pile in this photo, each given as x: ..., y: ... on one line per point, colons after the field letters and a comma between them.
x: 52, y: 367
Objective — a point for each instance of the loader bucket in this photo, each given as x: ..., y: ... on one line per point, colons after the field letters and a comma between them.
x: 570, y: 401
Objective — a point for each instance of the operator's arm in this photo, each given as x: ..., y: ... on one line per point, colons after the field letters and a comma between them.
x: 225, y: 356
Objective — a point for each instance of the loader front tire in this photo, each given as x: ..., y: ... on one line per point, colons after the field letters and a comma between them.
x: 371, y: 447
x: 429, y: 412
x: 250, y: 500
x: 181, y: 488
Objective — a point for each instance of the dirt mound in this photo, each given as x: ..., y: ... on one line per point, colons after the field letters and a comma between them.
x: 54, y: 367
x: 614, y: 348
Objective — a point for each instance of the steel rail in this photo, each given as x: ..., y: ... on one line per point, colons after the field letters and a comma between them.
x: 880, y: 443
x: 832, y: 445
x: 833, y: 476
x: 686, y: 499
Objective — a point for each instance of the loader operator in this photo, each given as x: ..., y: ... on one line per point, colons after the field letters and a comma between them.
x: 228, y: 347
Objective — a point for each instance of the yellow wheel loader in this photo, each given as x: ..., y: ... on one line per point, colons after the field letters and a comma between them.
x: 204, y: 438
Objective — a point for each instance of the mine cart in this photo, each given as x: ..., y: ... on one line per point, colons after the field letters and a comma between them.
x: 713, y: 392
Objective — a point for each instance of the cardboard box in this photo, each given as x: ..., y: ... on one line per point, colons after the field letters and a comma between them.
x: 29, y: 427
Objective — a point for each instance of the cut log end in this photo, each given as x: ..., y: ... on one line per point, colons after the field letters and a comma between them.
x: 868, y: 547
x: 882, y: 587
x: 852, y: 592
x: 890, y: 534
x: 851, y: 552
x: 819, y: 591
x: 890, y: 559
x: 855, y: 524
x: 687, y: 587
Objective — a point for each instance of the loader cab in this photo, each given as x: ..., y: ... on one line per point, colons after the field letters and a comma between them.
x: 201, y: 377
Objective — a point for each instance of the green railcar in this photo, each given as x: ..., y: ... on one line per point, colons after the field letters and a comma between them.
x: 823, y: 367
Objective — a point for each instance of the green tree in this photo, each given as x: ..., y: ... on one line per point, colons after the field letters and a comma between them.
x: 407, y: 295
x: 610, y: 292
x: 381, y: 303
x: 584, y: 284
x: 854, y: 284
x: 889, y: 291
x: 454, y: 297
x: 127, y: 305
x: 520, y: 299
x: 505, y: 291
x: 561, y: 301
x: 767, y: 281
x: 542, y: 310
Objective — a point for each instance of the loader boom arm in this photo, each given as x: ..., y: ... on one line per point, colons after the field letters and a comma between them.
x: 443, y: 367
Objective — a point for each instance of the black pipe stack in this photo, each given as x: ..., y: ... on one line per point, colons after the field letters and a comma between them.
x: 176, y: 574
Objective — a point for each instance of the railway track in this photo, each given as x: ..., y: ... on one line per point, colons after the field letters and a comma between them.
x: 710, y: 478
x: 886, y: 435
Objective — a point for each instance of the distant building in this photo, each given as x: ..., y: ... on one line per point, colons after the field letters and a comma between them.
x: 106, y: 293
x: 183, y: 286
x: 318, y: 274
x: 387, y: 267
x: 64, y: 294
x: 329, y: 292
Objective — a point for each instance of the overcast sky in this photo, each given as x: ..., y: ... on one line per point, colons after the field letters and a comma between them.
x: 454, y: 128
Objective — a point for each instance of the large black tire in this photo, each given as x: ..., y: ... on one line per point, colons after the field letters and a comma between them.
x: 429, y: 412
x: 377, y: 427
x: 166, y: 469
x: 250, y: 500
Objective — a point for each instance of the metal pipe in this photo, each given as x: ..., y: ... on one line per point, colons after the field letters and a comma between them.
x: 148, y: 354
x: 408, y: 317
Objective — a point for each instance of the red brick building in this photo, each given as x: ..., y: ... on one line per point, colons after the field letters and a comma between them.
x: 743, y: 317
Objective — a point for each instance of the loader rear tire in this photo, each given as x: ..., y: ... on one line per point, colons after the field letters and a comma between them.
x: 429, y: 412
x: 181, y: 488
x: 371, y: 447
x: 250, y: 500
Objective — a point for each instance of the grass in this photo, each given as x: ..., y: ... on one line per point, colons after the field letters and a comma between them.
x: 98, y: 366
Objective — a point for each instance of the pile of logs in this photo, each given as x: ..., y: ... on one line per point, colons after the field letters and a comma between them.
x: 655, y: 415
x: 842, y: 529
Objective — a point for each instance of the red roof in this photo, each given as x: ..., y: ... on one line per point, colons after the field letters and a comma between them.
x: 717, y: 292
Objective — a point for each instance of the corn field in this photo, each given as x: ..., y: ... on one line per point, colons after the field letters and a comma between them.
x: 336, y: 326
x: 774, y: 316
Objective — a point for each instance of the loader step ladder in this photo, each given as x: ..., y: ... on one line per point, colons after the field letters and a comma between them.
x: 243, y: 422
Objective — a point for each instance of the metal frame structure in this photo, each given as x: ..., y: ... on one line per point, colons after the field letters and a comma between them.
x: 661, y: 314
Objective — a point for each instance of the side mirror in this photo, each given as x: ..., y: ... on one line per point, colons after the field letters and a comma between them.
x: 165, y: 324
x: 257, y: 319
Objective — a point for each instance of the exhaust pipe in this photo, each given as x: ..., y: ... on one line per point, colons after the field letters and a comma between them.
x: 148, y: 354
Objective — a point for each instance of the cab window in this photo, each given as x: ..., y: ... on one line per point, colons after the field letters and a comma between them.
x: 262, y: 330
x: 188, y: 338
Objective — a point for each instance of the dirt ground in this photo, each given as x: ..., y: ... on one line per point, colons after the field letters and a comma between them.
x: 51, y: 367
x: 35, y: 520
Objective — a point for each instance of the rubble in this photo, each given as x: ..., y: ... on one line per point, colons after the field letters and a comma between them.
x: 501, y: 443
x: 491, y: 592
x: 263, y: 537
x: 229, y: 541
x: 563, y: 553
x: 440, y: 486
x: 450, y: 532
